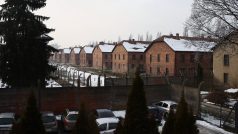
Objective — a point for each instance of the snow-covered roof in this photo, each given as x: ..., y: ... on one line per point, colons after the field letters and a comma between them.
x: 231, y: 90
x: 106, y: 48
x: 137, y: 47
x: 88, y: 49
x: 77, y: 50
x: 67, y: 50
x: 189, y: 45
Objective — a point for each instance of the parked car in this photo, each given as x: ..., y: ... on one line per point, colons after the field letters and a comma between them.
x: 107, y: 125
x: 104, y: 113
x: 49, y: 122
x: 6, y: 122
x: 167, y: 105
x: 69, y: 118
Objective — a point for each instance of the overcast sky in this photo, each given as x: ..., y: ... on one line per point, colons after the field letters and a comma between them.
x: 77, y: 22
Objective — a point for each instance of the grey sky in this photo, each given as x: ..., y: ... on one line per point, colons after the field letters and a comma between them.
x: 77, y: 22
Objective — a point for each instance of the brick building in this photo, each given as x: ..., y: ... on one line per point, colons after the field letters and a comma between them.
x: 102, y: 56
x: 65, y: 55
x: 128, y: 55
x: 74, y: 56
x: 58, y: 56
x: 86, y: 58
x: 179, y: 56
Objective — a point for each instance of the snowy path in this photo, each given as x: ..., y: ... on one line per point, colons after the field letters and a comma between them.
x: 206, y: 128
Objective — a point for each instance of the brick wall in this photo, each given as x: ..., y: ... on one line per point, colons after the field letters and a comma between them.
x: 119, y: 65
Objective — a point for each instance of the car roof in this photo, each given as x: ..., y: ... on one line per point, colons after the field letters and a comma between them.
x: 107, y: 120
x: 169, y: 102
x: 7, y: 115
x: 103, y: 110
x: 73, y: 112
x: 47, y: 113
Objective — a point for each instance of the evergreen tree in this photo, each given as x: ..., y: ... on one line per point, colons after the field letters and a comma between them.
x: 86, y: 123
x: 169, y: 124
x: 119, y: 129
x: 30, y: 122
x: 24, y: 62
x: 136, y: 120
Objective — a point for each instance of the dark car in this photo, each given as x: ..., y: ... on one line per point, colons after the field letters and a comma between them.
x: 157, y: 113
x: 49, y: 122
x: 6, y: 122
x: 104, y: 113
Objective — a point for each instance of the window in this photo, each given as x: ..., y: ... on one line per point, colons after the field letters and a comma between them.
x: 200, y: 57
x: 167, y: 57
x: 182, y: 58
x: 167, y: 71
x: 192, y: 58
x: 105, y: 56
x: 119, y: 66
x: 141, y: 57
x: 103, y: 127
x: 141, y: 66
x: 158, y: 57
x: 115, y: 56
x: 132, y: 66
x: 123, y: 56
x: 150, y: 58
x: 133, y: 57
x: 226, y: 60
x: 150, y: 69
x: 158, y: 70
x: 225, y: 78
x: 112, y: 126
x: 119, y: 56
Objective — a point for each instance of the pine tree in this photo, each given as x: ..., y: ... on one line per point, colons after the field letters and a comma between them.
x: 24, y: 62
x: 30, y: 122
x: 169, y: 124
x: 86, y: 123
x: 136, y: 120
x: 119, y: 129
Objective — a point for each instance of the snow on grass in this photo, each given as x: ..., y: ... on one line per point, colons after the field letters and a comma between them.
x: 210, y: 126
x: 52, y: 83
x: 2, y: 85
x: 231, y: 90
x: 211, y: 119
x: 204, y: 92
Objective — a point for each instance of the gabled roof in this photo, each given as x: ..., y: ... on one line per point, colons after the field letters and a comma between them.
x: 76, y: 50
x: 135, y: 46
x: 106, y: 48
x: 88, y: 49
x: 189, y: 45
x: 66, y: 50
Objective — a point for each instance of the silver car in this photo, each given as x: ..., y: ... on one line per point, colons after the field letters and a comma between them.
x: 49, y: 122
x: 6, y: 122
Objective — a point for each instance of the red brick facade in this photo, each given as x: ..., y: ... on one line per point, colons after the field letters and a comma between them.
x: 74, y: 56
x: 86, y: 59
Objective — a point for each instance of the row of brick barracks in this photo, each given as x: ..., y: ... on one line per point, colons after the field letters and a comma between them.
x: 168, y: 55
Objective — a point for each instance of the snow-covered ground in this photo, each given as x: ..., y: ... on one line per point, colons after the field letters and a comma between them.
x: 2, y: 85
x: 231, y: 90
x: 215, y: 129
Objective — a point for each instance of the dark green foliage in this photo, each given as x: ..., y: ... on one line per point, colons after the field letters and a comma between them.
x: 136, y: 120
x: 119, y: 129
x: 30, y: 122
x: 169, y: 124
x: 24, y: 61
x: 183, y: 122
x: 153, y: 125
x: 86, y: 123
x: 218, y: 97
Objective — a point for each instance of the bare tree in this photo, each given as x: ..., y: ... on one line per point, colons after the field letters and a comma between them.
x: 215, y: 18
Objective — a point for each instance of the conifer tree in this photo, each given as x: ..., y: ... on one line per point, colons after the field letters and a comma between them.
x: 24, y: 62
x: 86, y: 123
x: 169, y: 124
x: 136, y: 120
x: 30, y: 122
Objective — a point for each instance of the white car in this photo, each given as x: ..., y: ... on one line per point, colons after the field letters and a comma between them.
x: 167, y: 105
x: 6, y: 122
x: 107, y: 125
x: 49, y: 122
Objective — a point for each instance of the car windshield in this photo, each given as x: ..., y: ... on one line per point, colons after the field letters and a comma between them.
x: 72, y: 117
x: 47, y: 119
x: 6, y: 121
x: 174, y: 106
x: 105, y: 114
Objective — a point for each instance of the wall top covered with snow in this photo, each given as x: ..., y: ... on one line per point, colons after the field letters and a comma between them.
x: 106, y: 48
x: 88, y: 49
x: 67, y: 50
x: 137, y: 47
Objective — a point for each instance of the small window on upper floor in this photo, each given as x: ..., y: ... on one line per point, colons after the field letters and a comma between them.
x: 226, y: 60
x: 167, y: 58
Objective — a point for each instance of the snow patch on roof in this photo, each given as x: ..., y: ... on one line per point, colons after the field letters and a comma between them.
x: 189, y: 45
x: 77, y: 50
x: 231, y: 90
x: 67, y: 50
x: 106, y: 48
x: 138, y: 47
x: 88, y: 49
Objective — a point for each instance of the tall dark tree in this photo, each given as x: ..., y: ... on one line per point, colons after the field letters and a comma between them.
x: 86, y: 123
x: 30, y: 122
x: 169, y: 127
x: 136, y: 120
x: 24, y: 62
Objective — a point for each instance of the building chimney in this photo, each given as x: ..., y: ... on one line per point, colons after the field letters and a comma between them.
x: 177, y: 36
